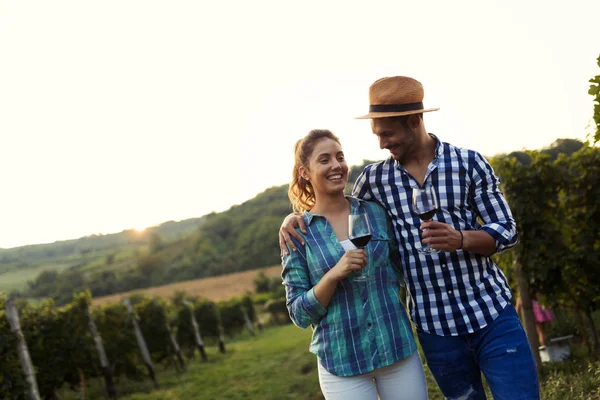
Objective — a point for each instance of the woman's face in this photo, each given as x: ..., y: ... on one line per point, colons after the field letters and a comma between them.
x: 327, y: 169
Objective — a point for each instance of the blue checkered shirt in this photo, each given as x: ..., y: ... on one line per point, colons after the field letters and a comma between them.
x: 449, y: 293
x: 365, y: 325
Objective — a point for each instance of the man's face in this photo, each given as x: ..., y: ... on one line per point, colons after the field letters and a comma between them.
x: 395, y: 135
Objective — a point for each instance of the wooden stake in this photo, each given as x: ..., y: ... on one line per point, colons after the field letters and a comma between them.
x: 141, y: 343
x: 24, y: 358
x: 106, y: 372
x: 175, y: 346
x: 528, y: 316
x: 221, y: 339
x: 248, y: 322
x: 199, y: 341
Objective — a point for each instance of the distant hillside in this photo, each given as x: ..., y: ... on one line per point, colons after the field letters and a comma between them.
x: 34, y: 255
x: 239, y: 239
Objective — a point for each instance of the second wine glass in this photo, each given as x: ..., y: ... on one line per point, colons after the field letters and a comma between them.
x: 425, y: 205
x: 359, y: 233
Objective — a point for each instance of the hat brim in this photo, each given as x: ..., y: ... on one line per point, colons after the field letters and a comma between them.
x: 374, y: 115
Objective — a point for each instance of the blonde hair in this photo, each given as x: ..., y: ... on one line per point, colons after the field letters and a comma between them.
x: 301, y: 192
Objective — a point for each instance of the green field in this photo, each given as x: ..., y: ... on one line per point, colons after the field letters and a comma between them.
x: 17, y: 279
x: 276, y: 364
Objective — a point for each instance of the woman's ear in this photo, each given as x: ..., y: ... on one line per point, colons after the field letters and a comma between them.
x: 303, y: 173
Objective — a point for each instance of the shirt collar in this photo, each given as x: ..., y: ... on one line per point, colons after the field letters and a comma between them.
x: 355, y: 207
x: 439, y: 151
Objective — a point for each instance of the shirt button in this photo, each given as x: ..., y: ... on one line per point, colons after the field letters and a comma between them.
x: 443, y: 265
x: 449, y: 291
x: 369, y: 324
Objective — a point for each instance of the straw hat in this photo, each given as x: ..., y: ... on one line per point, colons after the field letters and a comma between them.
x: 395, y: 96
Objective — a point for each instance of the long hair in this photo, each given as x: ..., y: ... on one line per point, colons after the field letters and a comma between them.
x: 301, y: 192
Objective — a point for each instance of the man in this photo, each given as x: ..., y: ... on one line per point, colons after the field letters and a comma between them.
x: 458, y: 298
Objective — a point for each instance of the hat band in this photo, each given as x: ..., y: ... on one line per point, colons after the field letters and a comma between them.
x: 395, y: 107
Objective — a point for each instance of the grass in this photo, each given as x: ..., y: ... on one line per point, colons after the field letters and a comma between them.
x: 276, y: 364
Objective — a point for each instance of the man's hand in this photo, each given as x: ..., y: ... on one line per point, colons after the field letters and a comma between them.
x: 441, y: 236
x: 444, y: 237
x: 288, y: 229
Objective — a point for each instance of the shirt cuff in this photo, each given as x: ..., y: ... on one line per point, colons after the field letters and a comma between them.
x: 501, y: 235
x: 312, y: 306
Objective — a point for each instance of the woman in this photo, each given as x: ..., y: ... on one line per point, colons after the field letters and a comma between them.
x: 361, y: 334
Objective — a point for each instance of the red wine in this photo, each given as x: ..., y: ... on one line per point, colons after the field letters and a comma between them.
x: 360, y: 241
x: 426, y: 216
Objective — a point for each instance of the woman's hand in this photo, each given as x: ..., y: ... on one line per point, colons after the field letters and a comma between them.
x: 288, y: 229
x: 352, y: 261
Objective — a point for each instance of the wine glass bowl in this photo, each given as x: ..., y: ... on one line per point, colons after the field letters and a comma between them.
x: 425, y: 205
x: 359, y: 233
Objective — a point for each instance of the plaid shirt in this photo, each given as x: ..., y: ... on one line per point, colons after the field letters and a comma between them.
x: 365, y: 325
x: 448, y: 293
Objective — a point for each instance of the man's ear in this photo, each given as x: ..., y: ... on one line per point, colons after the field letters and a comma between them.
x: 414, y: 121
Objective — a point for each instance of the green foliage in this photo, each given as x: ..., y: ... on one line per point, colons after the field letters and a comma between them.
x: 261, y: 283
x: 152, y: 314
x: 532, y: 192
x: 580, y: 191
x: 595, y: 92
x: 555, y: 204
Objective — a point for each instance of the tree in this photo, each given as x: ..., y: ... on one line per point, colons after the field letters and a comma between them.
x: 557, y: 213
x: 580, y: 191
x: 531, y: 191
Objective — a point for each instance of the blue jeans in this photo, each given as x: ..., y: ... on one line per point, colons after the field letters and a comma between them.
x: 500, y: 351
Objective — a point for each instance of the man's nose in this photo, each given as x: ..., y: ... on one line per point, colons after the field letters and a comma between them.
x: 382, y: 143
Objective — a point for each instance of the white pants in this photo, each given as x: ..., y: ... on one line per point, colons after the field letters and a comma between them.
x: 402, y: 380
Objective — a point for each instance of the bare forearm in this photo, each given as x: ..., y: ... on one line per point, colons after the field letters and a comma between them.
x: 479, y: 242
x: 325, y: 289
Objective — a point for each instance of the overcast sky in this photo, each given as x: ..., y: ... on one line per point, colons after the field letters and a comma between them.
x: 125, y: 114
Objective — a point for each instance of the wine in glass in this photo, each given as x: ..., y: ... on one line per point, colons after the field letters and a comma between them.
x: 359, y: 233
x: 425, y: 205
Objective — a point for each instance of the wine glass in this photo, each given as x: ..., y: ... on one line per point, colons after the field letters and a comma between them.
x: 425, y: 204
x: 359, y: 233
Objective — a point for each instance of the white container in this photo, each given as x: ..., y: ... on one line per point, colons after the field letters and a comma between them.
x: 558, y: 349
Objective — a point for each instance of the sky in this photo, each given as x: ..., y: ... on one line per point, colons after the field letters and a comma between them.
x: 126, y: 114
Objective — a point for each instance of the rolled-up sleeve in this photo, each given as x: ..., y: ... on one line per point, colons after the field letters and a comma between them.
x: 301, y: 302
x: 492, y: 207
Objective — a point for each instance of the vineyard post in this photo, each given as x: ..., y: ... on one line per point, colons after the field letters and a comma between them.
x: 221, y: 339
x: 175, y: 346
x: 24, y: 358
x: 141, y: 342
x: 248, y: 322
x: 528, y: 316
x: 108, y: 381
x: 199, y: 341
